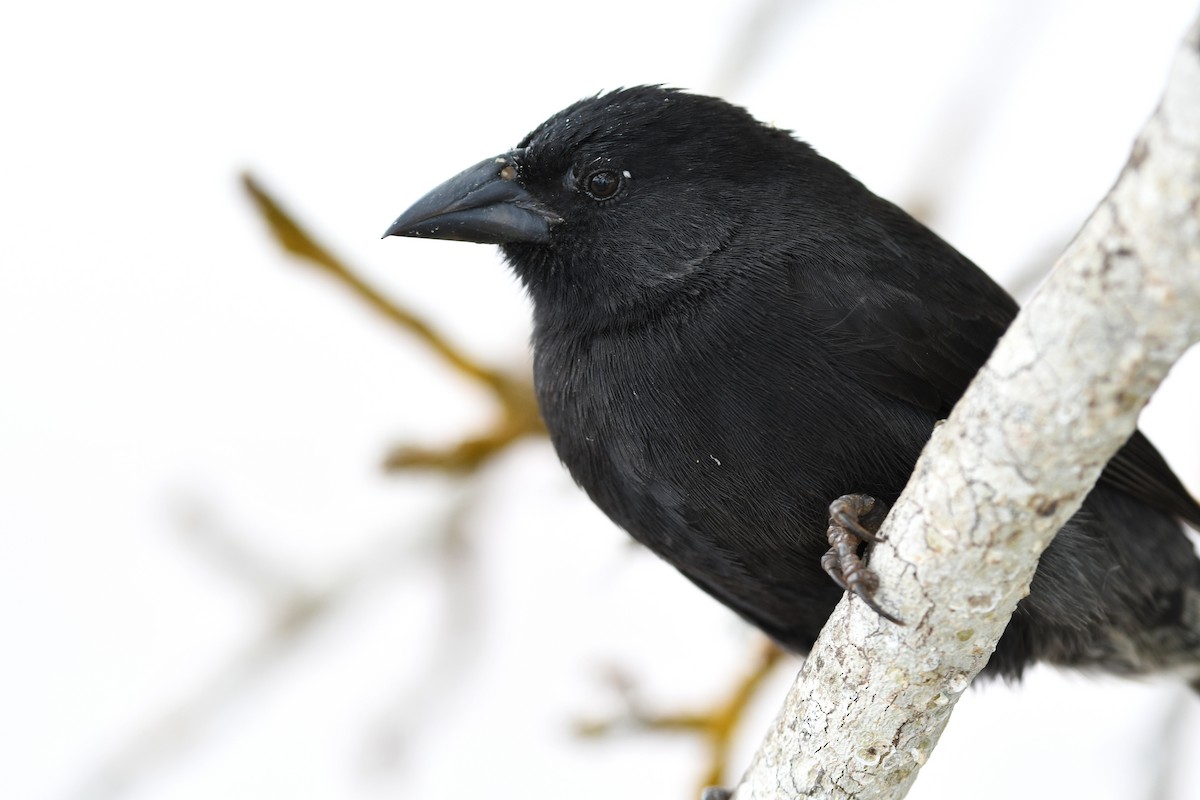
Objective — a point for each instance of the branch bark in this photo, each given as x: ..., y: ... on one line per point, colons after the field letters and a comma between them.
x: 1019, y: 453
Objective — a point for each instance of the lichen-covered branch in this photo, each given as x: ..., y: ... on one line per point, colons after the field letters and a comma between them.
x: 1059, y: 396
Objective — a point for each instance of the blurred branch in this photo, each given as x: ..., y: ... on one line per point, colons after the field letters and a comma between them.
x: 229, y: 553
x: 716, y: 725
x: 514, y: 393
x: 292, y: 615
x: 294, y: 608
x: 297, y: 241
x: 450, y: 656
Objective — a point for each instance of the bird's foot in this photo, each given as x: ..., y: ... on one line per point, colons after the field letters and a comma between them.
x: 854, y: 519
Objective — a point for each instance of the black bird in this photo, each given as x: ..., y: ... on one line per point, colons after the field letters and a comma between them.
x: 731, y: 333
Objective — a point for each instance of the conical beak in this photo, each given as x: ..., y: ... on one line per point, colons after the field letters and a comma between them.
x: 485, y: 204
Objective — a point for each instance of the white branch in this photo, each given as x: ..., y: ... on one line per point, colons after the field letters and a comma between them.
x: 1021, y: 450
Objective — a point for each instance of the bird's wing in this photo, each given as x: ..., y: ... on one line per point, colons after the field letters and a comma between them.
x: 1139, y: 470
x: 925, y: 348
x: 922, y: 347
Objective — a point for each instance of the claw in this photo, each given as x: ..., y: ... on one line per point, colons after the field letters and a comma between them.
x: 869, y: 599
x: 849, y: 518
x: 850, y: 512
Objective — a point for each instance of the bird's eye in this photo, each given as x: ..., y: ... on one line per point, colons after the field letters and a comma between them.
x: 603, y: 184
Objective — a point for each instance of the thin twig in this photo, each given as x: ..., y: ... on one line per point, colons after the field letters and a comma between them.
x: 716, y: 725
x: 514, y: 393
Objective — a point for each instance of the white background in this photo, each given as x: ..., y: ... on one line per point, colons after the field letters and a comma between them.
x: 174, y: 390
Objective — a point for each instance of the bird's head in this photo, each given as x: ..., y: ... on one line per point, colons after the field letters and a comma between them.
x: 615, y: 204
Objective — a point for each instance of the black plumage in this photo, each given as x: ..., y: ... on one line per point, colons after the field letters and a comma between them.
x: 730, y: 332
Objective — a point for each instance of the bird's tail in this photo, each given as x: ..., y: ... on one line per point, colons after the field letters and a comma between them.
x: 1166, y: 642
x: 1180, y: 644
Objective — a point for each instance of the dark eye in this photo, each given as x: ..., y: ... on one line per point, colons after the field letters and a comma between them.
x: 603, y: 184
